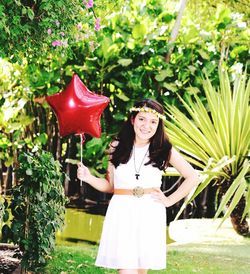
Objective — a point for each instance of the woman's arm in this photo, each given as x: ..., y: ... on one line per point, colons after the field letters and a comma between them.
x: 101, y: 184
x: 186, y: 171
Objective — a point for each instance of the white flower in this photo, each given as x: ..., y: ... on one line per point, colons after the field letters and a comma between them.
x: 242, y: 25
x: 236, y: 16
x: 185, y: 30
x: 180, y: 50
x: 237, y: 68
x: 211, y: 47
x: 205, y: 34
x: 178, y: 83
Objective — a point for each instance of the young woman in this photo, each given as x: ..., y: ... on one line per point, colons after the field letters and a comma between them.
x: 134, y: 231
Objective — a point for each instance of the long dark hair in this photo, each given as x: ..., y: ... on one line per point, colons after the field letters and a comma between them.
x: 159, y: 148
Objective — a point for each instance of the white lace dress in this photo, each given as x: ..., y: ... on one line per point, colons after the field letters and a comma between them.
x: 134, y: 229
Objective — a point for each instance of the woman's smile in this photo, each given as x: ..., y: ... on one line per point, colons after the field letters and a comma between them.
x: 145, y: 125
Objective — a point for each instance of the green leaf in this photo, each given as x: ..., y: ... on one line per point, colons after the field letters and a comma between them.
x: 236, y: 51
x: 30, y: 14
x: 9, y: 161
x: 139, y: 31
x: 204, y: 55
x: 247, y: 207
x: 238, y: 195
x: 42, y: 138
x: 123, y: 97
x: 125, y: 62
x: 29, y: 172
x: 72, y: 161
x: 5, y: 216
x: 105, y: 45
x: 24, y: 10
x: 119, y: 116
x: 192, y: 90
x: 163, y: 74
x: 236, y: 184
x: 52, y: 90
x: 131, y: 44
x: 95, y: 142
x: 170, y: 86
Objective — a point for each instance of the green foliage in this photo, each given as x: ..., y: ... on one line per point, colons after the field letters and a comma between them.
x: 25, y: 24
x: 37, y: 207
x: 130, y: 60
x: 17, y: 112
x: 215, y: 136
x: 30, y: 28
x: 93, y: 155
x: 125, y: 60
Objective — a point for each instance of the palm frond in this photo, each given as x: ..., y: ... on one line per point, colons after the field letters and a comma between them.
x: 236, y: 184
x: 214, y: 130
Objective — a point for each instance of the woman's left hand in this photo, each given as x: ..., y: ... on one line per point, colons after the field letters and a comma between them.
x: 160, y: 197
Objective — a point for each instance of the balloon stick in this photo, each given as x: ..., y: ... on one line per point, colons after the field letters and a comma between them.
x: 82, y: 136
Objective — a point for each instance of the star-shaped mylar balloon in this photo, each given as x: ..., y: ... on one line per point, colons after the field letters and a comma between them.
x: 77, y: 109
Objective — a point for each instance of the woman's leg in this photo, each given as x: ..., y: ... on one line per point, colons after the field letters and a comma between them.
x: 132, y: 271
x: 128, y: 271
x: 142, y: 271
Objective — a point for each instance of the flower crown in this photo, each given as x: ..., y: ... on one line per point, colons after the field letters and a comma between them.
x: 150, y: 110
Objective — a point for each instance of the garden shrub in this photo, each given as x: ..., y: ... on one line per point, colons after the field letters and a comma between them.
x: 37, y: 207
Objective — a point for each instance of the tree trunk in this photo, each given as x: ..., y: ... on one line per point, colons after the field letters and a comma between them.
x: 240, y: 226
x: 8, y: 180
x: 175, y: 30
x: 1, y: 177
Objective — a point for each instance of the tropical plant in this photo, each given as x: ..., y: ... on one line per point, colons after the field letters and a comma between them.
x: 37, y: 207
x: 215, y: 137
x: 125, y: 61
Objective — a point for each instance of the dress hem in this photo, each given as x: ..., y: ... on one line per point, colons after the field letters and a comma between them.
x: 130, y: 267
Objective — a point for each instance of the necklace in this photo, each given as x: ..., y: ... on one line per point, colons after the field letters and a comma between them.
x: 137, y: 171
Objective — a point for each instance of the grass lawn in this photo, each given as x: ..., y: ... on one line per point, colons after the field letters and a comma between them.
x: 198, y: 248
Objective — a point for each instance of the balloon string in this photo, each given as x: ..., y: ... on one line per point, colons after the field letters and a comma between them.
x: 81, y: 145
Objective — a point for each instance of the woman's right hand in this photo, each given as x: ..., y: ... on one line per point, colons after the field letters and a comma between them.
x: 83, y: 173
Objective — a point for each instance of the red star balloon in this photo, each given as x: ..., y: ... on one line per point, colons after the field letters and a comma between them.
x: 77, y: 109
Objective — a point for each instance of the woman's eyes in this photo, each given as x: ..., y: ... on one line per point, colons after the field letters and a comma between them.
x: 152, y: 122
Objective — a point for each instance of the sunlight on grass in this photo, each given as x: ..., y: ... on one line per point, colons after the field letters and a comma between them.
x: 213, y: 252
x: 202, y: 230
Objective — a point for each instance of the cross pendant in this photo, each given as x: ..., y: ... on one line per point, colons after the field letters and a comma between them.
x: 137, y: 176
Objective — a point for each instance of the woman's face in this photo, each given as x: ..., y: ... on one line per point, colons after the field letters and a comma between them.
x: 145, y: 125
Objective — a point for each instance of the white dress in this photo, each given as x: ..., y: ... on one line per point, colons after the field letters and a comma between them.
x: 134, y: 229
